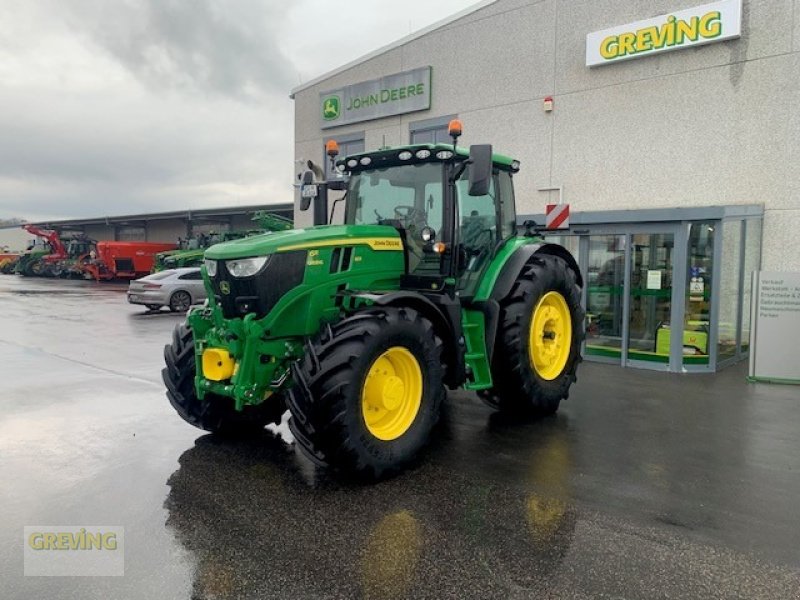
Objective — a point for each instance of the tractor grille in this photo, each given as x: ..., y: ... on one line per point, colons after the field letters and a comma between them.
x: 259, y: 293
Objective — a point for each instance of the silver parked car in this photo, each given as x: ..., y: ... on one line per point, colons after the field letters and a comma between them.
x: 176, y: 288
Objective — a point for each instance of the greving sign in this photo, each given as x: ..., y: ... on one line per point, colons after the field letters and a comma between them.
x: 391, y: 95
x: 704, y: 24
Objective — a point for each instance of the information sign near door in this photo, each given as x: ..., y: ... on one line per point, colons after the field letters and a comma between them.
x: 776, y: 327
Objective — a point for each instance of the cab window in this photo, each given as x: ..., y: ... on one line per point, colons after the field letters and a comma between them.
x: 478, y: 238
x: 408, y: 197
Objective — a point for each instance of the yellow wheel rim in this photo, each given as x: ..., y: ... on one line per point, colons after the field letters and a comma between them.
x: 550, y: 336
x: 392, y: 393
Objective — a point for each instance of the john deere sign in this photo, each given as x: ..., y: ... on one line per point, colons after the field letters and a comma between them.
x: 391, y: 95
x: 704, y: 24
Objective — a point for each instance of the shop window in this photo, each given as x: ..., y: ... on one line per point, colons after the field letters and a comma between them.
x: 699, y: 273
x: 605, y: 280
x: 430, y: 131
x: 649, y: 331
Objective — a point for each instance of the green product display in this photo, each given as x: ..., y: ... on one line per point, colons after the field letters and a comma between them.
x: 356, y: 329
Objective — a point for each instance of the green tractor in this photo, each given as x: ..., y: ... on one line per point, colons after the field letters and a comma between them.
x: 190, y: 251
x: 30, y: 262
x: 357, y: 328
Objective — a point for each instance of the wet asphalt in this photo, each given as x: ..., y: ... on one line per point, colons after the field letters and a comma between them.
x: 644, y: 485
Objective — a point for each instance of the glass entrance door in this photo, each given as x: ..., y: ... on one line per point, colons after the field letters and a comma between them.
x: 605, y: 297
x: 650, y: 297
x: 628, y: 273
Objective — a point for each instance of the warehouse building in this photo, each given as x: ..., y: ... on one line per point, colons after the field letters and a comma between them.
x: 670, y: 128
x: 152, y: 227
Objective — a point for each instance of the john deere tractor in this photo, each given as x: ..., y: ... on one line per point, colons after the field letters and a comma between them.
x: 357, y: 328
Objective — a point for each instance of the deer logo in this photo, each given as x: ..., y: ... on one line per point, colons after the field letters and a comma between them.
x: 331, y: 107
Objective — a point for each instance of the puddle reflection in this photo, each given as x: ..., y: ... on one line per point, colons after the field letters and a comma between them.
x: 262, y: 522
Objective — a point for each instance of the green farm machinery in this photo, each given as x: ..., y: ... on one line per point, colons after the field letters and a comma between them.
x: 357, y: 329
x: 190, y: 251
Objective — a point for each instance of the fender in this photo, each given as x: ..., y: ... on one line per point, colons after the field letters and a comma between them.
x: 445, y: 314
x: 515, y: 263
x: 508, y: 275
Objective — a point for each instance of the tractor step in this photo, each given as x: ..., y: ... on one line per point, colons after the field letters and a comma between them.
x: 478, y: 369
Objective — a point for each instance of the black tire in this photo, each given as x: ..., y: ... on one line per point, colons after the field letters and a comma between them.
x: 214, y: 413
x: 34, y: 269
x: 518, y: 387
x: 153, y: 307
x: 325, y: 398
x: 180, y: 301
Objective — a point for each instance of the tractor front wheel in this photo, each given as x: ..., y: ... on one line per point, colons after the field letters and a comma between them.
x: 538, y: 343
x: 213, y: 413
x: 368, y: 391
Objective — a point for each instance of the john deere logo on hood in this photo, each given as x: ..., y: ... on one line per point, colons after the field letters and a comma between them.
x: 331, y: 108
x: 225, y: 287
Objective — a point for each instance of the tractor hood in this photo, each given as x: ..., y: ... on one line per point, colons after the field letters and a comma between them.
x: 378, y: 237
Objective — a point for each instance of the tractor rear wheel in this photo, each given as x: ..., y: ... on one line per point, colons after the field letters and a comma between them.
x: 539, y: 340
x: 213, y: 413
x: 368, y: 391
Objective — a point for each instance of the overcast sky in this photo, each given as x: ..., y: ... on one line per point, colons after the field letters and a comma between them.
x: 122, y: 106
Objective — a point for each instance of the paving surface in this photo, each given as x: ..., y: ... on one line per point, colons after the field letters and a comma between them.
x: 645, y: 485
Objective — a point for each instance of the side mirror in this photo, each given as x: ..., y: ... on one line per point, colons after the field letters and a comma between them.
x: 480, y: 169
x: 306, y: 180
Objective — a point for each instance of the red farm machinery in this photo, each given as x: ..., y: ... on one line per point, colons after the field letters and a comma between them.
x: 122, y: 260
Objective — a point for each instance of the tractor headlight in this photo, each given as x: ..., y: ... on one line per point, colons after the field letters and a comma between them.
x: 246, y: 267
x: 211, y: 267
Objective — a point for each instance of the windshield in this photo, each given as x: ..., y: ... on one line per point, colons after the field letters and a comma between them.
x: 409, y: 196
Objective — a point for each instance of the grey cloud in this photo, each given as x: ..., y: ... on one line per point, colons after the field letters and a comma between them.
x: 212, y: 46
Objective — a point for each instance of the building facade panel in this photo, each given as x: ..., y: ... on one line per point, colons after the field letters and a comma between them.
x: 168, y: 230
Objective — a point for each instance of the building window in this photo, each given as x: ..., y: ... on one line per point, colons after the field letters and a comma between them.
x: 351, y: 143
x: 430, y: 131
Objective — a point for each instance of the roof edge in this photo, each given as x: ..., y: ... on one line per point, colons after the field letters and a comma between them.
x: 171, y: 214
x: 396, y: 44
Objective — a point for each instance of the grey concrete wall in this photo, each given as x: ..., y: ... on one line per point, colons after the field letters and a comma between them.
x: 166, y: 230
x: 712, y: 125
x: 100, y: 232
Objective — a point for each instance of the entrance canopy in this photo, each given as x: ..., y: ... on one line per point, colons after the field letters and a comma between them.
x: 646, y: 270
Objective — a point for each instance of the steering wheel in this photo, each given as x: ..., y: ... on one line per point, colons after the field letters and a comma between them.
x: 405, y: 211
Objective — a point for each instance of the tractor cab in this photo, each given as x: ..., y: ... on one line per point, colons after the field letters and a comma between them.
x: 453, y: 208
